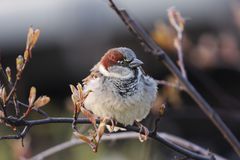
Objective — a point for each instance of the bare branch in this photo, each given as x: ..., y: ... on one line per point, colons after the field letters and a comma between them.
x: 20, y: 135
x: 189, y: 145
x: 35, y: 109
x: 74, y: 142
x: 178, y: 23
x: 155, y: 50
x: 30, y: 123
x: 149, y: 46
x: 120, y: 136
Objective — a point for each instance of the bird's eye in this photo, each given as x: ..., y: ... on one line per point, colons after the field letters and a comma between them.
x: 125, y: 60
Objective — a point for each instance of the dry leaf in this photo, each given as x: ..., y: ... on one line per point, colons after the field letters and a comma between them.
x: 72, y: 87
x: 19, y: 63
x: 32, y: 38
x: 75, y: 94
x: 162, y: 109
x: 89, y: 115
x: 1, y: 116
x: 35, y: 37
x: 80, y: 90
x: 85, y: 139
x: 101, y: 129
x: 78, y: 97
x: 3, y: 94
x: 82, y: 137
x: 29, y: 38
x: 32, y: 96
x: 26, y: 55
x: 41, y: 101
x: 8, y: 72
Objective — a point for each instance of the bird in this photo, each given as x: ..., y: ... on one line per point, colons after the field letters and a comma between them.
x: 119, y: 88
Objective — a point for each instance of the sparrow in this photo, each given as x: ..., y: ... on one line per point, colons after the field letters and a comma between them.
x: 120, y: 89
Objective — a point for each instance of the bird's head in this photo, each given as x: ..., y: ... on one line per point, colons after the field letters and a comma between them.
x: 119, y: 63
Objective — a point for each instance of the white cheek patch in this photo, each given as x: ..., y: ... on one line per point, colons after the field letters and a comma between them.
x: 127, y: 75
x: 103, y: 70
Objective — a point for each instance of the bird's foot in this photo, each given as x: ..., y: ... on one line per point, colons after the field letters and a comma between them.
x: 143, y: 132
x: 110, y: 128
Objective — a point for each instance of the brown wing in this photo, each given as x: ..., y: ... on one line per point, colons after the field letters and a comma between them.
x: 94, y: 74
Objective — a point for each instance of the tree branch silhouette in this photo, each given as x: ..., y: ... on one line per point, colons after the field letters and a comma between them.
x: 28, y: 124
x: 151, y: 47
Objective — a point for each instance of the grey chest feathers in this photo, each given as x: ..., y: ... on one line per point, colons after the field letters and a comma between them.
x: 126, y: 87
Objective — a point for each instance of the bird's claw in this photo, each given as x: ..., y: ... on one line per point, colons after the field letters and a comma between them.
x: 113, y: 123
x: 143, y: 132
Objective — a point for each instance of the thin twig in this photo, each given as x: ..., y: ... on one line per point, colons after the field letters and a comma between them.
x: 13, y: 89
x: 155, y: 50
x: 180, y: 58
x: 73, y: 142
x: 178, y: 23
x: 35, y: 109
x: 12, y: 92
x: 21, y: 135
x: 119, y: 136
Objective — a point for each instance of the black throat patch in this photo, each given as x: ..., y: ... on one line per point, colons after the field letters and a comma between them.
x: 126, y: 87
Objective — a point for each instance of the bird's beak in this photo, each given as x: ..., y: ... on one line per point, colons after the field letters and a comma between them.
x: 135, y: 63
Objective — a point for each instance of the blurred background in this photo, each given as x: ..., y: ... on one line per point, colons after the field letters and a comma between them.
x: 75, y: 34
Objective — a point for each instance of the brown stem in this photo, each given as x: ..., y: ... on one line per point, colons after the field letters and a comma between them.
x: 120, y: 136
x: 149, y: 44
x: 30, y: 123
